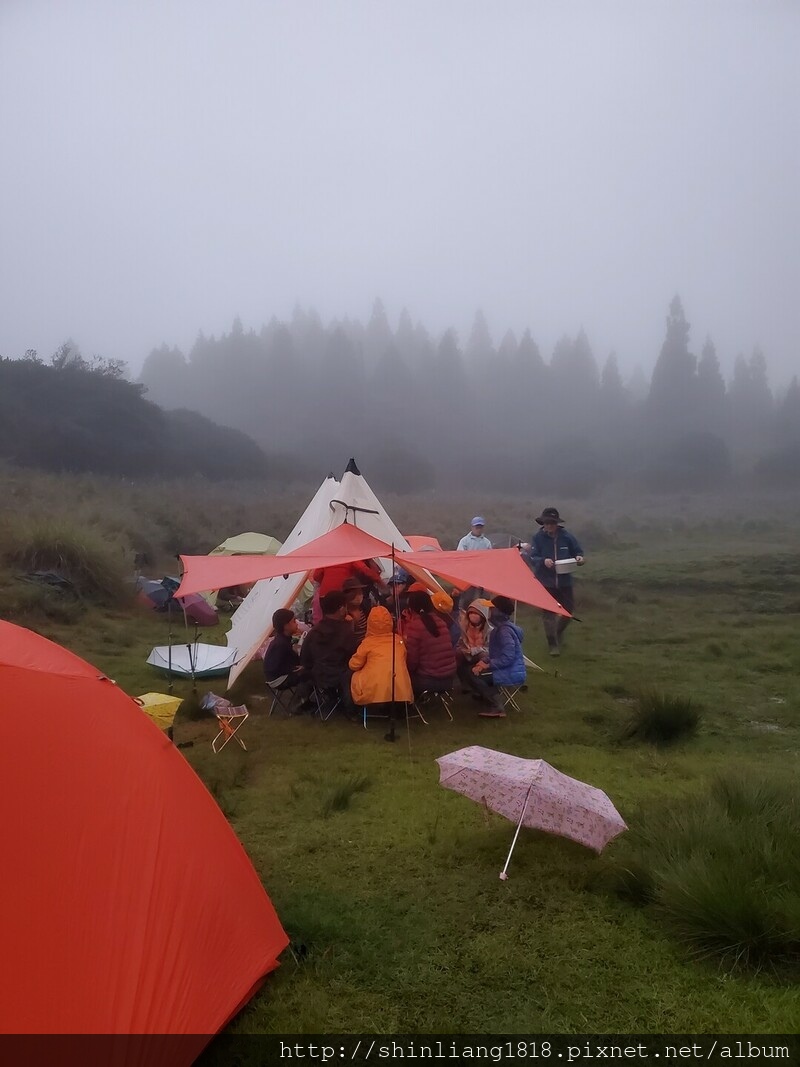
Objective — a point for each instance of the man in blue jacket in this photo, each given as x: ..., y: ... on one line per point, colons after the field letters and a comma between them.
x: 546, y: 547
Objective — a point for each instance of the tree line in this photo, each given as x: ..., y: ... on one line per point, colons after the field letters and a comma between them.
x: 75, y: 415
x: 428, y: 410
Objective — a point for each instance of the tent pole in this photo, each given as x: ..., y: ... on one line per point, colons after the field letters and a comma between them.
x: 503, y: 874
x: 391, y: 735
x: 169, y: 654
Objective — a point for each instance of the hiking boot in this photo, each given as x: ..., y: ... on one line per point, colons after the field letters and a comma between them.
x: 555, y: 650
x: 492, y: 713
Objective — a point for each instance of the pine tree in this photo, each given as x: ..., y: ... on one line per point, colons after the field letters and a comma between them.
x: 787, y: 417
x: 479, y: 349
x: 672, y: 401
x: 710, y: 389
x: 378, y: 334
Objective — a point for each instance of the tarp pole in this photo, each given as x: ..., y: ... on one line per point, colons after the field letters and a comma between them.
x: 503, y: 874
x: 391, y: 735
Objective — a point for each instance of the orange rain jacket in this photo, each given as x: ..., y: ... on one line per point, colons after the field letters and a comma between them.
x: 372, y: 663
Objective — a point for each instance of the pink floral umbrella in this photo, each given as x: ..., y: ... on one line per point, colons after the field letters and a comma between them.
x: 531, y: 793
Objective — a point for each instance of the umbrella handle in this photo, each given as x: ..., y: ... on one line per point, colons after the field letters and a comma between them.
x: 503, y: 874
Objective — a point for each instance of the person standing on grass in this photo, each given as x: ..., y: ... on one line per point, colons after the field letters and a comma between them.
x: 474, y: 541
x: 551, y: 543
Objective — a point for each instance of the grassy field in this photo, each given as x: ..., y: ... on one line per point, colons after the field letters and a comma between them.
x: 393, y: 904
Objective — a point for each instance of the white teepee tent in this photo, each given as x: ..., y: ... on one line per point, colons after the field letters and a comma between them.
x: 350, y: 500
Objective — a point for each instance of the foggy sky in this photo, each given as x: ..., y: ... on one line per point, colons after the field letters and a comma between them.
x: 168, y: 164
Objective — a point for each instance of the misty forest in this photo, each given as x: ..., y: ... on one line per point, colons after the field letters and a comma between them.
x: 400, y: 528
x: 428, y: 411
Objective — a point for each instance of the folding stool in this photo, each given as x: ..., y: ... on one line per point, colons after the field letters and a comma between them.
x: 327, y: 700
x: 230, y: 720
x: 283, y: 697
x: 431, y: 697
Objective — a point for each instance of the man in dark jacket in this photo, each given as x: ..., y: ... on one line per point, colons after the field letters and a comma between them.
x: 548, y: 546
x: 328, y: 647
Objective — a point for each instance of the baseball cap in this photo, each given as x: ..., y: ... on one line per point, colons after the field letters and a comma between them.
x: 478, y: 521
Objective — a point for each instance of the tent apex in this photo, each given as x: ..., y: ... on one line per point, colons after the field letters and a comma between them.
x: 352, y: 468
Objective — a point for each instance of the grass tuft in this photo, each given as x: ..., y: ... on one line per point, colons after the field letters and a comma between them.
x: 722, y: 871
x: 662, y: 719
x: 338, y: 799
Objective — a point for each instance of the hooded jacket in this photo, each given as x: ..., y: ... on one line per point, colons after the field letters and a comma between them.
x: 505, y: 650
x: 372, y: 664
x: 474, y: 640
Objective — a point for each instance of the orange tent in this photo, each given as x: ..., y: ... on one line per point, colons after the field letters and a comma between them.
x: 129, y: 906
x: 423, y: 543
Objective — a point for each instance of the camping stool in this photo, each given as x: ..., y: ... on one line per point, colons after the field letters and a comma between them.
x: 231, y: 719
x: 368, y: 714
x: 161, y: 709
x: 327, y: 700
x: 284, y: 698
x: 430, y: 698
x: 508, y: 694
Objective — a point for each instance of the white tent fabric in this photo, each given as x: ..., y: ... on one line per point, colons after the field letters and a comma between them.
x: 252, y: 620
x: 350, y: 500
x: 198, y: 659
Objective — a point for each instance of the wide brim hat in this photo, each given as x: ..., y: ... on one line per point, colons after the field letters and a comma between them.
x: 549, y: 515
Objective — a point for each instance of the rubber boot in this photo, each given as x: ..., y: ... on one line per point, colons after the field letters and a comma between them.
x: 550, y: 623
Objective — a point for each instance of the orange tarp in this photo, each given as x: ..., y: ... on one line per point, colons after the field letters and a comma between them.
x: 129, y: 905
x: 343, y: 544
x: 497, y: 570
x: 501, y: 570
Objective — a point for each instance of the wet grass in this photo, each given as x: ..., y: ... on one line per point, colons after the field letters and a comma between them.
x: 395, y: 896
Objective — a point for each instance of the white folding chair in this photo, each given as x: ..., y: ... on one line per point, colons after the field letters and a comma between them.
x: 230, y: 720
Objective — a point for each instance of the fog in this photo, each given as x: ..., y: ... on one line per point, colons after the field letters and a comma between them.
x: 170, y: 165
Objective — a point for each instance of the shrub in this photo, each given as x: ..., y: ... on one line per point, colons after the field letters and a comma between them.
x: 662, y: 719
x: 83, y: 556
x: 721, y: 870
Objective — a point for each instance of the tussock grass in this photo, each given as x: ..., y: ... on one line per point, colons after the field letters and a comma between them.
x: 722, y: 871
x: 662, y: 719
x: 95, y: 566
x: 339, y: 797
